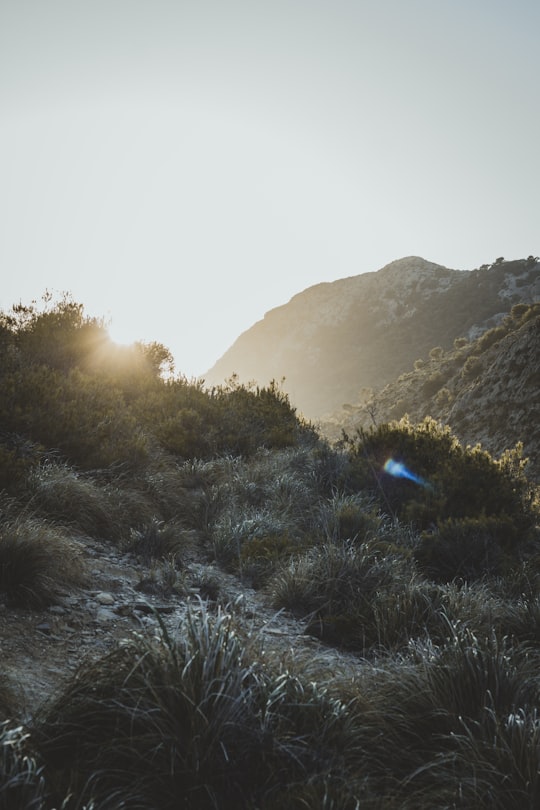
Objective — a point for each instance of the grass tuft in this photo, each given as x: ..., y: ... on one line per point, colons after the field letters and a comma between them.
x: 37, y: 562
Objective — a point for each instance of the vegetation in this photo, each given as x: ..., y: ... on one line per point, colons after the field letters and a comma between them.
x: 414, y: 555
x: 485, y: 387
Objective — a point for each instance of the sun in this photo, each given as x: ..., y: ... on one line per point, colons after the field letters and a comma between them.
x: 122, y: 333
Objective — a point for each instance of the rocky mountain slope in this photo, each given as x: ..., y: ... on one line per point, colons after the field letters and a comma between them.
x: 335, y: 339
x: 487, y: 389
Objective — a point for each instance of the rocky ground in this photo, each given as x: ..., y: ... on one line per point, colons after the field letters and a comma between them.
x: 42, y: 649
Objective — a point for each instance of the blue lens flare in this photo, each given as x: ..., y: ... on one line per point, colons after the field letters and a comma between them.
x: 399, y: 470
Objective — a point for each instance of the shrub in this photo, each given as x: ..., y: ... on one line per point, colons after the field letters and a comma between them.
x: 436, y: 353
x: 471, y: 368
x: 468, y: 549
x: 460, y: 343
x: 433, y: 384
x: 437, y: 478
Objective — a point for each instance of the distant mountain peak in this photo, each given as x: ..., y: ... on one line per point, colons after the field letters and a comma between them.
x: 335, y: 338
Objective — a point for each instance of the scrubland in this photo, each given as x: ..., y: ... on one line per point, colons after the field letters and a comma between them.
x: 429, y: 580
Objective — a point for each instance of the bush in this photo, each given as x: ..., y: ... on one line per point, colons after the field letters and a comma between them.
x: 466, y: 549
x: 437, y: 478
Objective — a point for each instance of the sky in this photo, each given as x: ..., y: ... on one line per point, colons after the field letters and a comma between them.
x: 181, y: 167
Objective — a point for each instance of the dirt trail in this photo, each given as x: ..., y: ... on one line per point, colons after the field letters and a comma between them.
x: 40, y: 650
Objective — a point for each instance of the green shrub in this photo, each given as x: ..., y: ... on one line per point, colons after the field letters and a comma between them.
x: 466, y: 549
x: 450, y: 481
x: 471, y: 368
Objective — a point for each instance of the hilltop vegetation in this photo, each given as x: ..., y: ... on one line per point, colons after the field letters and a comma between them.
x: 414, y: 556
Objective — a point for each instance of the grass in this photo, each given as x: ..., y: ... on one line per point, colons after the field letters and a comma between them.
x: 198, y: 721
x: 358, y: 596
x: 158, y: 539
x: 193, y: 722
x: 103, y: 510
x: 432, y: 704
x: 22, y: 783
x: 37, y: 562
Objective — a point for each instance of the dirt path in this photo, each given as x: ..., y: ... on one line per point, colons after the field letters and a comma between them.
x: 41, y: 649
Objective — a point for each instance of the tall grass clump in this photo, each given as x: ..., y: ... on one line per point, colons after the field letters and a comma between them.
x: 156, y: 540
x: 37, y: 562
x: 106, y: 504
x: 357, y: 595
x: 22, y: 783
x: 269, y: 508
x: 191, y: 722
x: 349, y: 516
x: 159, y: 724
x: 439, y: 719
x: 8, y: 699
x: 61, y: 494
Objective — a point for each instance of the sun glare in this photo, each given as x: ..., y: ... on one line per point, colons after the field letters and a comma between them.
x: 398, y: 470
x: 122, y: 334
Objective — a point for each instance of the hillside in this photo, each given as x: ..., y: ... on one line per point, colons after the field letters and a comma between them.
x: 205, y: 604
x: 486, y: 389
x: 335, y: 339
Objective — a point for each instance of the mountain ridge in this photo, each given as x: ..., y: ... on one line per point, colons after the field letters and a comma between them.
x: 336, y: 338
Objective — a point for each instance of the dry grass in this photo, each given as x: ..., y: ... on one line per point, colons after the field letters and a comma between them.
x: 37, y: 562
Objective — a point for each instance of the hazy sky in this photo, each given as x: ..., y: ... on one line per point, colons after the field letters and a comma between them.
x: 183, y: 166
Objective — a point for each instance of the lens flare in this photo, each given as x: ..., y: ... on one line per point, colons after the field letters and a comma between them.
x: 399, y: 470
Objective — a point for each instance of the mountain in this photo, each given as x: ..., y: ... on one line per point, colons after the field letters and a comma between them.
x: 486, y: 389
x: 335, y: 339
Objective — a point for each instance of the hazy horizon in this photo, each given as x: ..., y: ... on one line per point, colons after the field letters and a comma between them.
x: 183, y: 167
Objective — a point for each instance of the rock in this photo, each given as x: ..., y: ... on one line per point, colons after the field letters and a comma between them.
x: 104, y: 616
x: 148, y: 609
x: 44, y: 628
x: 58, y: 610
x: 105, y: 598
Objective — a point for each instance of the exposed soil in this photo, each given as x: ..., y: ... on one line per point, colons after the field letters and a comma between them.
x: 41, y: 649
